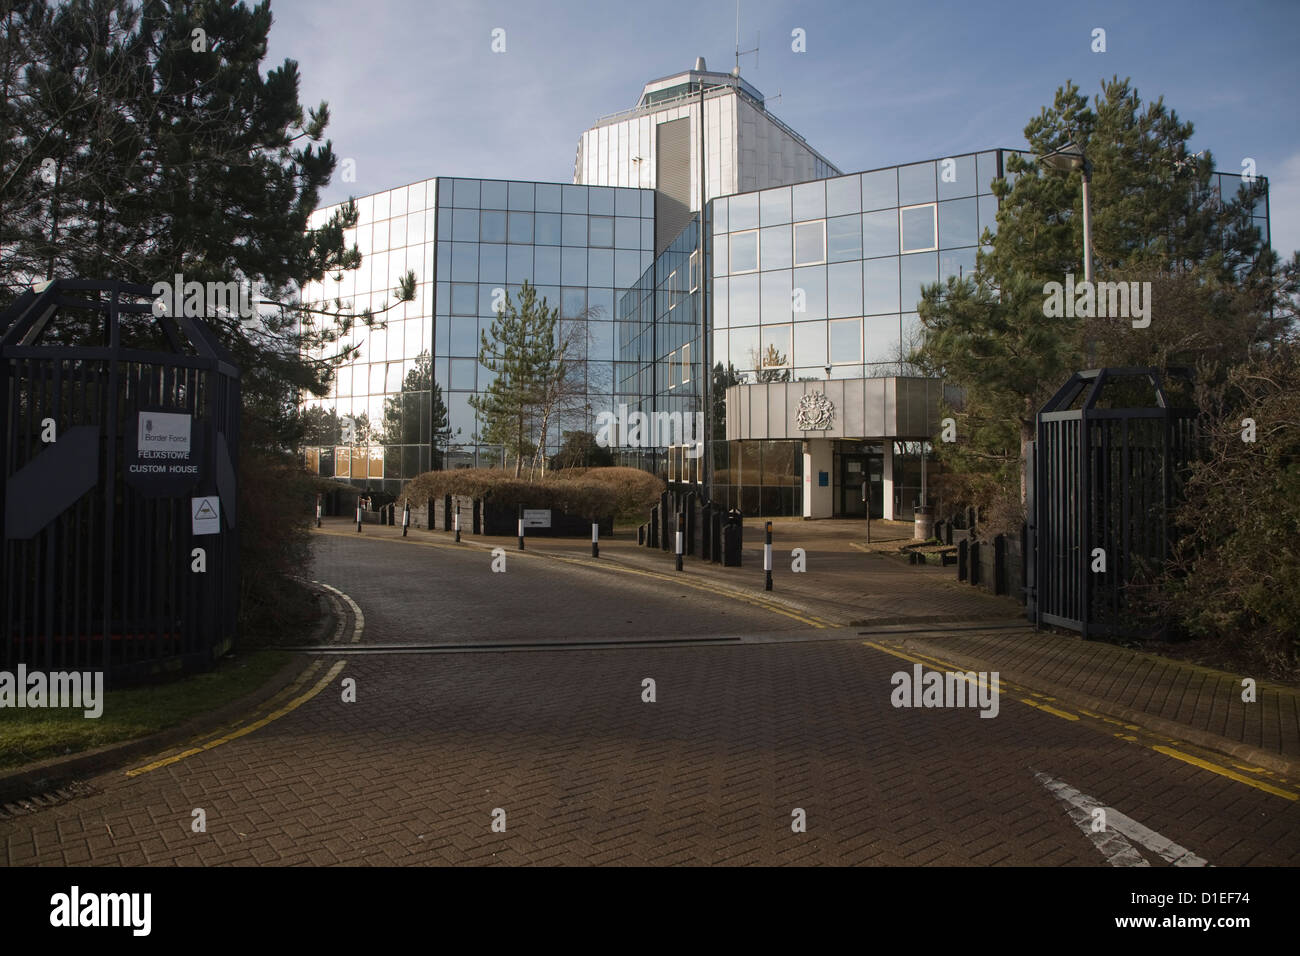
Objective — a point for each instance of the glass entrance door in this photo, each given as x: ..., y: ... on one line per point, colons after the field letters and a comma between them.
x: 854, y: 469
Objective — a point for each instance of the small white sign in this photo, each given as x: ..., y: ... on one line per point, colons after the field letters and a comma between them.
x: 537, y: 518
x: 165, y: 432
x: 206, y: 515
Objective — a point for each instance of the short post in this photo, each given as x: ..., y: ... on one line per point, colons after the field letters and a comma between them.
x: 595, y: 538
x: 963, y: 559
x: 520, y: 510
x: 767, y: 558
x: 456, y: 521
x: 406, y: 516
x: 318, y: 511
x: 866, y: 504
x: 358, y: 515
x: 681, y: 535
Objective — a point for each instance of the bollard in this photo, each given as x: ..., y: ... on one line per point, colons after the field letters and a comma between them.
x: 520, y: 510
x: 975, y: 562
x: 963, y: 559
x: 681, y: 534
x: 595, y: 539
x: 318, y: 511
x: 358, y: 515
x: 406, y: 516
x: 456, y: 520
x: 767, y: 558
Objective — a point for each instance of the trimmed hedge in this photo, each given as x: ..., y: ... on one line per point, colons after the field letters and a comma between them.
x: 575, y: 491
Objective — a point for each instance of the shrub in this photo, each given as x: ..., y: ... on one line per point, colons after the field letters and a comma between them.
x: 577, y: 491
x: 277, y: 500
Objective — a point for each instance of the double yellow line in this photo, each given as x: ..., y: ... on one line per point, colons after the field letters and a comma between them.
x: 1258, y: 777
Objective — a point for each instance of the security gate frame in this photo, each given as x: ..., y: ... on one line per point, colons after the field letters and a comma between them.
x: 97, y: 570
x: 1102, y: 478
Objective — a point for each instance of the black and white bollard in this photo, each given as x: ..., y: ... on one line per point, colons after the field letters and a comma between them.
x: 318, y: 509
x: 521, y: 527
x: 406, y: 516
x: 456, y: 523
x: 595, y: 539
x: 358, y: 514
x: 681, y: 537
x: 767, y: 558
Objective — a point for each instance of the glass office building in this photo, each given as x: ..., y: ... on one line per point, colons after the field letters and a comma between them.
x: 807, y: 285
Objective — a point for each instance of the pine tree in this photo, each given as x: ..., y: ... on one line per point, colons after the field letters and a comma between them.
x: 521, y: 350
x: 1155, y: 217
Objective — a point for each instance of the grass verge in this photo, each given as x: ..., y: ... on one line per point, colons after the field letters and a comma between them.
x: 130, y: 712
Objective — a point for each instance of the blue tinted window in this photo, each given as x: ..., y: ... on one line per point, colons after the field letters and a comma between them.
x: 574, y: 198
x: 844, y: 289
x: 493, y: 227
x: 957, y: 177
x: 546, y: 265
x: 917, y: 228
x: 464, y: 335
x: 845, y: 341
x: 744, y: 300
x: 774, y: 247
x: 575, y: 230
x: 809, y: 200
x: 958, y: 224
x: 744, y: 251
x: 548, y: 197
x: 547, y: 229
x: 916, y: 272
x: 879, y: 189
x: 494, y: 195
x: 775, y: 296
x: 573, y: 266
x: 881, y: 281
x: 601, y: 199
x: 600, y: 267
x: 519, y: 263
x: 844, y: 238
x: 743, y: 211
x: 491, y: 262
x: 843, y: 195
x: 464, y: 225
x: 627, y: 202
x: 466, y: 192
x: 916, y: 184
x: 521, y: 196
x: 464, y: 299
x: 464, y: 261
x: 774, y: 206
x: 811, y: 282
x: 521, y: 227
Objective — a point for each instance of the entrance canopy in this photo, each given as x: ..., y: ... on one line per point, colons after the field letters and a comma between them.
x: 901, y: 408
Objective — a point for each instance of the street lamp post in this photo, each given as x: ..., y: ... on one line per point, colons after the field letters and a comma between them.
x: 1067, y: 159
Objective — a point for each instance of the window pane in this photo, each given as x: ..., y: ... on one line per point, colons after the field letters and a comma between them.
x: 575, y: 230
x: 775, y: 247
x: 602, y: 231
x: 573, y: 302
x: 844, y: 238
x: 988, y: 206
x: 958, y: 223
x: 744, y: 251
x: 464, y: 299
x: 521, y: 227
x: 809, y: 344
x: 744, y: 300
x: 548, y: 197
x: 843, y: 195
x: 916, y: 184
x: 774, y: 206
x: 957, y: 177
x: 491, y: 262
x: 602, y: 200
x: 462, y: 373
x: 627, y: 233
x: 547, y: 226
x: 600, y: 267
x: 573, y: 266
x: 845, y: 341
x: 546, y: 265
x: 810, y: 243
x: 986, y: 166
x: 718, y: 216
x: 521, y: 196
x: 959, y: 263
x: 776, y: 296
x: 811, y: 282
x: 882, y: 286
x: 880, y: 233
x: 914, y: 273
x: 844, y: 289
x: 917, y: 228
x: 809, y: 200
x: 743, y: 211
x: 464, y: 225
x: 574, y: 199
x: 776, y: 346
x: 720, y: 264
x: 881, y: 342
x: 627, y: 202
x: 880, y: 189
x: 494, y: 195
x: 464, y: 335
x: 744, y: 348
x: 718, y: 313
x: 519, y: 264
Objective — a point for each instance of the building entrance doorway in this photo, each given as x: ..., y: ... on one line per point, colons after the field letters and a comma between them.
x: 854, y: 470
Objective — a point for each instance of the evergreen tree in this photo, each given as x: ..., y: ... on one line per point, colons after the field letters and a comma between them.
x: 1155, y: 218
x: 522, y: 351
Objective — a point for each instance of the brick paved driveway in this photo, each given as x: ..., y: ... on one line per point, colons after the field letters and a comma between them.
x: 586, y: 772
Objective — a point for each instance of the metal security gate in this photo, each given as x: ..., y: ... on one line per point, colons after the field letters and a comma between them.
x: 1106, y: 474
x: 117, y: 467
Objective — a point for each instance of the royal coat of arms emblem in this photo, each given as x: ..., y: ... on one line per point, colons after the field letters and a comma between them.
x: 815, y: 412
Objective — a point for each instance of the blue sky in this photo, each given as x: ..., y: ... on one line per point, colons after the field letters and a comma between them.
x: 416, y: 91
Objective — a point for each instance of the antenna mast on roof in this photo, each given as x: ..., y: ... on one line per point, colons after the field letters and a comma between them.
x: 739, y: 51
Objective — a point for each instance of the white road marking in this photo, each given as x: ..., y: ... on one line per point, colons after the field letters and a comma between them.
x: 1117, y: 850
